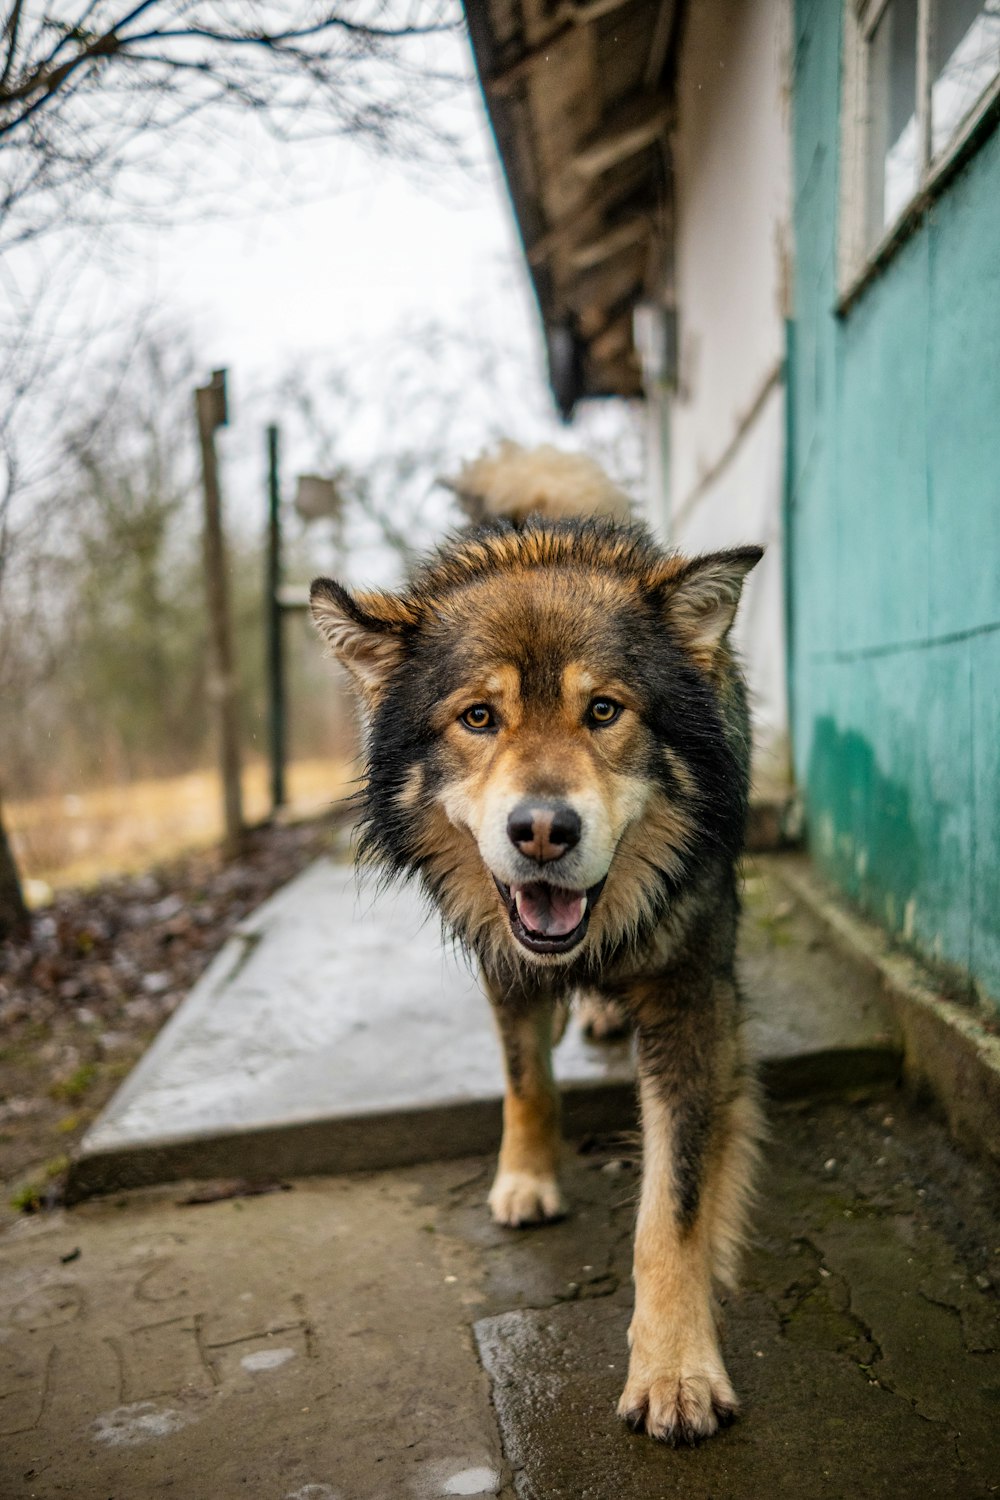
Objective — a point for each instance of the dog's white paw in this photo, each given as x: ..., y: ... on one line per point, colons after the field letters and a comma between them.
x: 679, y: 1407
x: 518, y: 1198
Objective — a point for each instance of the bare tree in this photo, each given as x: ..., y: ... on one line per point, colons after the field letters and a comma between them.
x: 89, y: 89
x: 463, y: 387
x: 115, y: 113
x: 101, y: 105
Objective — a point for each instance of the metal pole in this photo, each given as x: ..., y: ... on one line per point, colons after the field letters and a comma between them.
x: 275, y: 642
x: 210, y: 401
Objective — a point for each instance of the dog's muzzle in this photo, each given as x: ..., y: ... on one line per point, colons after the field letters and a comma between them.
x: 548, y: 918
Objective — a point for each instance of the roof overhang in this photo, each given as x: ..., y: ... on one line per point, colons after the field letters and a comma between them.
x: 577, y: 94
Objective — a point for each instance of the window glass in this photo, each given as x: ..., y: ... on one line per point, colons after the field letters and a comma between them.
x: 894, y: 152
x: 965, y: 58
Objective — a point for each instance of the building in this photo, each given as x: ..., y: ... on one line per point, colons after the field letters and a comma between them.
x: 780, y: 220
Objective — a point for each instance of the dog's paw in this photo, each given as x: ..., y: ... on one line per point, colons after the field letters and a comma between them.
x: 518, y: 1198
x: 679, y: 1408
x: 600, y: 1019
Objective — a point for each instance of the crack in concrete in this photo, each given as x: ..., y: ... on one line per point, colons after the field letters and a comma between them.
x: 950, y: 1307
x: 867, y: 1332
x: 959, y: 1312
x: 812, y: 1282
x: 249, y: 943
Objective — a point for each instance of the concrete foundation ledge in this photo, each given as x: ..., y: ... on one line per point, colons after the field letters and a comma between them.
x: 949, y: 1051
x: 358, y: 1142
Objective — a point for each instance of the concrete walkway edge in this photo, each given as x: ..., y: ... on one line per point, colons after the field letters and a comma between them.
x: 948, y: 1051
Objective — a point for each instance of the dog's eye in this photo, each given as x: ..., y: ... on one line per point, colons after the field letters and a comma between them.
x: 603, y: 711
x: 479, y: 716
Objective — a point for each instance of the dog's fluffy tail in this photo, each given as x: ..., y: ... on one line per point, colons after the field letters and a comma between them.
x: 517, y: 482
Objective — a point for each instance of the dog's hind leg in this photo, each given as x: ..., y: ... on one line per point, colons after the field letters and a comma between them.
x: 525, y: 1189
x: 696, y: 1145
x: 601, y: 1018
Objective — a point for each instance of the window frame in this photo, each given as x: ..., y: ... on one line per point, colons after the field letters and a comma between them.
x: 859, y: 260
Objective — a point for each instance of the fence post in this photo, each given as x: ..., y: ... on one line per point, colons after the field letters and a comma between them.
x: 14, y: 919
x: 275, y: 642
x: 210, y: 403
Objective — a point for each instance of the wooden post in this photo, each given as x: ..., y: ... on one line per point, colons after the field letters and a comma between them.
x: 210, y: 402
x: 275, y: 653
x: 14, y: 919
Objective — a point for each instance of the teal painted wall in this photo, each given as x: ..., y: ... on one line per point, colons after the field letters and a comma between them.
x: 894, y: 543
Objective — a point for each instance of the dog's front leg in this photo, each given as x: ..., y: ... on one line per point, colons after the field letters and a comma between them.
x: 525, y: 1189
x: 677, y: 1387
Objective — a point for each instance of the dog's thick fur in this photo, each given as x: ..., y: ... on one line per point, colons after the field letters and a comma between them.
x: 558, y: 746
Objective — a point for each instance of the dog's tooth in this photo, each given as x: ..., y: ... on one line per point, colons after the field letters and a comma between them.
x: 518, y: 893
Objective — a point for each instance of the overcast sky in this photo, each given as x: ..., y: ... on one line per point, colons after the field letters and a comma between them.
x: 359, y: 262
x: 318, y: 248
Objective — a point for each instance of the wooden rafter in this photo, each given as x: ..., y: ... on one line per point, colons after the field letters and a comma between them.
x: 634, y: 128
x: 603, y: 202
x: 619, y: 237
x: 565, y: 20
x: 614, y: 341
x: 579, y: 95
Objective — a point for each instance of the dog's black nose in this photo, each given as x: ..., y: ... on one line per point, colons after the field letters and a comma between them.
x: 543, y: 830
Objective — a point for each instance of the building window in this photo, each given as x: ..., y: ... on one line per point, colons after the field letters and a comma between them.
x: 893, y: 168
x: 918, y: 76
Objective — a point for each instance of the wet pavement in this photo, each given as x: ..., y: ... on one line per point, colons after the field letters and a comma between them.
x: 375, y: 1337
x: 865, y: 1342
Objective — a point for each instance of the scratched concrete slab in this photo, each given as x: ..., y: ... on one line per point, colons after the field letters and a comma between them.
x: 303, y: 1346
x: 336, y: 1031
x: 376, y: 1337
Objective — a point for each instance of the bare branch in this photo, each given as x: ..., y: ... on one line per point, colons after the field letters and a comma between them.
x: 81, y: 92
x: 12, y: 28
x: 47, y: 78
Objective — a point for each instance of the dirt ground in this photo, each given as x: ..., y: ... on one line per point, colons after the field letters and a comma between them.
x: 106, y: 966
x: 76, y: 839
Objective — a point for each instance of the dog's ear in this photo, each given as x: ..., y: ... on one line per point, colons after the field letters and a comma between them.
x: 367, y: 632
x: 700, y: 597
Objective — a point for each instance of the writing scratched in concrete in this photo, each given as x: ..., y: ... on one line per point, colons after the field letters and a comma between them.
x: 184, y: 1353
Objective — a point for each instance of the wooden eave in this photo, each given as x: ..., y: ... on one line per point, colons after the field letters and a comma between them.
x: 578, y: 96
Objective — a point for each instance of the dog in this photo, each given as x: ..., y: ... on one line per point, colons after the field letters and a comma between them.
x: 558, y: 747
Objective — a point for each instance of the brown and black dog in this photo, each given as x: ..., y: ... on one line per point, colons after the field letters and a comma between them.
x: 558, y: 747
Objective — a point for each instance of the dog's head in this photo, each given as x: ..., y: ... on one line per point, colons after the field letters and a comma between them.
x: 556, y: 730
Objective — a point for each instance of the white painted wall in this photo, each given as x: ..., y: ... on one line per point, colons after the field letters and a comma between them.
x: 725, y: 424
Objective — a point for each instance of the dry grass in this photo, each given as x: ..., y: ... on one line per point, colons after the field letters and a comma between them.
x: 79, y: 839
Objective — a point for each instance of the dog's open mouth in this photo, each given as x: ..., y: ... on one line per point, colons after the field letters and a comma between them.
x: 548, y: 918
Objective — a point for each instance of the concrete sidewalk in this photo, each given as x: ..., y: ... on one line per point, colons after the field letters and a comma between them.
x: 334, y: 1032
x: 374, y: 1337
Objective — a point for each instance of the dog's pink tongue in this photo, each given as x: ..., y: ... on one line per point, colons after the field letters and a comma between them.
x: 549, y: 911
